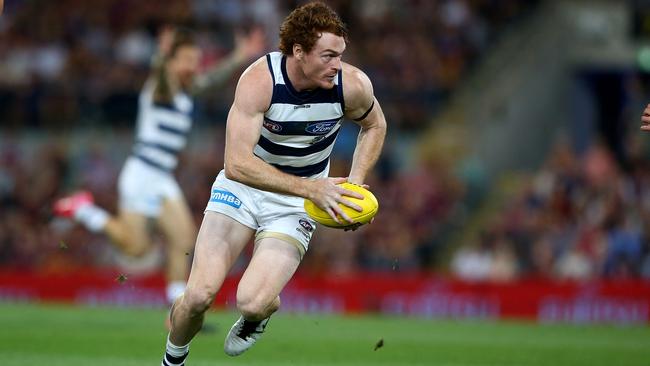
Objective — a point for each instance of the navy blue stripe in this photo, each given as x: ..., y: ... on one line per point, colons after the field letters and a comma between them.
x: 170, y: 107
x: 174, y: 130
x: 175, y: 360
x: 339, y: 88
x: 277, y: 149
x: 166, y: 106
x: 301, y: 128
x: 268, y: 62
x: 285, y: 76
x: 304, y: 171
x: 152, y: 163
x: 282, y: 94
x: 165, y: 362
x: 159, y: 146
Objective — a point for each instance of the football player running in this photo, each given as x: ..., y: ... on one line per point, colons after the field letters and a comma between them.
x: 281, y: 129
x: 146, y: 186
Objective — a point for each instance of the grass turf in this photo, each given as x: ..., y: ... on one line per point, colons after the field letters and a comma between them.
x: 66, y: 335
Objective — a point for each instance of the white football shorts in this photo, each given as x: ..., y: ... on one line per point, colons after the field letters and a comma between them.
x: 270, y: 214
x: 143, y: 188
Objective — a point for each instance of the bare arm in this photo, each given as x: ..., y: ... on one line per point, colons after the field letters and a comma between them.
x: 364, y: 109
x: 165, y: 39
x: 252, y: 98
x: 247, y: 46
x: 243, y: 129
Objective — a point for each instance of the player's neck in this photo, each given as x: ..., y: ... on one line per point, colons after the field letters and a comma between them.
x: 297, y: 77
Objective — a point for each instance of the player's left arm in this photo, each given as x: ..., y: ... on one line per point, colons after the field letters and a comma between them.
x: 362, y: 107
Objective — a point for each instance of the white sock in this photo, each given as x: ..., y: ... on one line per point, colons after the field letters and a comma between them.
x: 93, y: 217
x: 175, y: 355
x: 174, y: 290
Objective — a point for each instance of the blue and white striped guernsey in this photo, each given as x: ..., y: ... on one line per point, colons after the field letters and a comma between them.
x: 299, y: 128
x: 162, y: 129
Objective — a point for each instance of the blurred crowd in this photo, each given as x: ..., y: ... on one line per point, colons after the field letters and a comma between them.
x: 73, y: 62
x: 37, y: 169
x: 579, y: 217
x: 71, y: 70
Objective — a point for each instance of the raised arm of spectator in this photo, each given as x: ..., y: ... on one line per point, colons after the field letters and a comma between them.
x: 247, y: 46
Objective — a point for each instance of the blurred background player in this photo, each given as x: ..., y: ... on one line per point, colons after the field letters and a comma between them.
x: 281, y: 129
x: 147, y: 187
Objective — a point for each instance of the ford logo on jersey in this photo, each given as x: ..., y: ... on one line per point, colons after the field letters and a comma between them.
x: 272, y: 126
x: 321, y: 128
x: 225, y: 197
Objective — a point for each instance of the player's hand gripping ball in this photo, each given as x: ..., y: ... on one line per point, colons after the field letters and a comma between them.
x: 369, y: 205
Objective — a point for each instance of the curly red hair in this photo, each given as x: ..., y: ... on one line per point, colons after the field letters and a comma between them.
x: 305, y: 25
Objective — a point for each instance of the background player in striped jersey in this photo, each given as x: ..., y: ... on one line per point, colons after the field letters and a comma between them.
x: 147, y: 187
x: 281, y: 129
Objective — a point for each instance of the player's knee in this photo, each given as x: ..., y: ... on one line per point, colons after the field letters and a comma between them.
x: 197, y: 301
x: 133, y: 245
x: 257, y: 307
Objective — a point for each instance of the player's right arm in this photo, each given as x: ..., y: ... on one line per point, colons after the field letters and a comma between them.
x: 243, y: 128
x: 645, y: 119
x: 247, y: 46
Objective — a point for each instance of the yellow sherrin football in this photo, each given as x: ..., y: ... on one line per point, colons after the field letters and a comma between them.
x: 368, y: 203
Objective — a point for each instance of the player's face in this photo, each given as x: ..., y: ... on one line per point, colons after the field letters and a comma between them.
x: 185, y: 64
x: 322, y: 64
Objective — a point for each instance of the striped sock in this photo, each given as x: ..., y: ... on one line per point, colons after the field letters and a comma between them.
x: 175, y: 355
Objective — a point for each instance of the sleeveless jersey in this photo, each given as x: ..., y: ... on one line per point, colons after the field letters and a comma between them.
x: 299, y: 128
x: 162, y: 129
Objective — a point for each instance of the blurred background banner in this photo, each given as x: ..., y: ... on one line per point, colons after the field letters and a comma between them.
x: 414, y: 295
x: 514, y: 183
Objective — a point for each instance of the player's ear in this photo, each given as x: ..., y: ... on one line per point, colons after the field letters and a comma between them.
x: 297, y: 51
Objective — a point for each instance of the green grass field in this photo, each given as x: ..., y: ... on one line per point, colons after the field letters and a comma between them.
x: 71, y: 336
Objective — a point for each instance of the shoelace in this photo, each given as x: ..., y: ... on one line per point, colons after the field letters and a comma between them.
x: 247, y: 328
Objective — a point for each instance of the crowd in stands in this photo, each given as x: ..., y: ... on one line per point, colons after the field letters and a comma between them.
x: 70, y: 72
x: 579, y: 217
x: 73, y: 62
x: 35, y: 170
